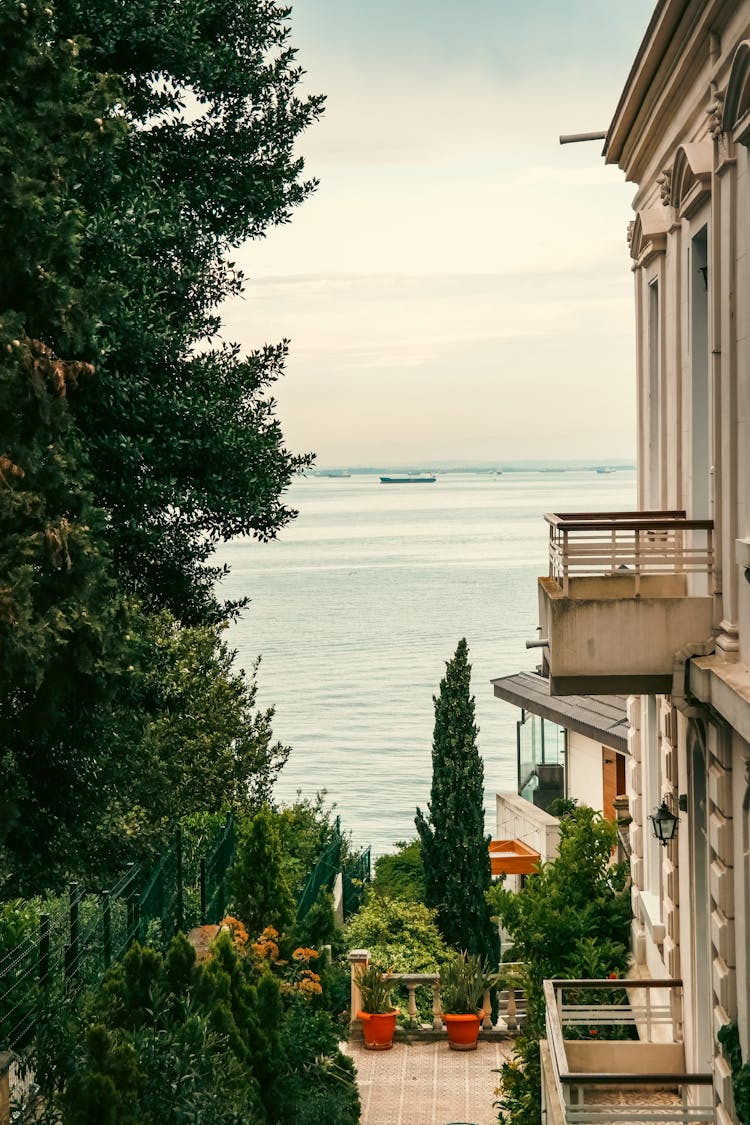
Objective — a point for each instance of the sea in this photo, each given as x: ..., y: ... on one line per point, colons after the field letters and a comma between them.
x: 356, y: 607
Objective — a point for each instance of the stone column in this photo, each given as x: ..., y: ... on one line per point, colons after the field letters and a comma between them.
x: 359, y: 959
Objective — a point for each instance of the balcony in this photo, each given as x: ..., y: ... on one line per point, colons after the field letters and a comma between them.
x: 626, y: 591
x: 614, y: 1052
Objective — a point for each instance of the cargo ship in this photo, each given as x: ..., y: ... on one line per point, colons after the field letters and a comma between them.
x: 410, y: 478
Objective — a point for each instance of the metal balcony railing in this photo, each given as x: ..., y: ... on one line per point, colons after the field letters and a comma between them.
x: 584, y: 544
x: 617, y: 1054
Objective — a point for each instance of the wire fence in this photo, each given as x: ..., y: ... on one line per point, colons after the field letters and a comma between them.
x: 72, y: 941
x: 321, y: 877
x: 80, y: 935
x: 356, y: 876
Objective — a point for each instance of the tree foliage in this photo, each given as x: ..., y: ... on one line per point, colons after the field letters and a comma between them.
x: 402, y: 937
x: 455, y: 853
x: 571, y: 921
x: 184, y: 443
x: 400, y: 874
x: 140, y: 143
x: 259, y: 883
x: 165, y: 1040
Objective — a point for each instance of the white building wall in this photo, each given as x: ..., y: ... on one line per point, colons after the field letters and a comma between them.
x: 584, y: 780
x: 690, y: 86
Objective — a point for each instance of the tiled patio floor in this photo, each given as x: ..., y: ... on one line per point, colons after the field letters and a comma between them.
x: 428, y: 1084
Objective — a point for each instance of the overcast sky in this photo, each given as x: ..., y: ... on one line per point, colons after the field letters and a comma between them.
x: 459, y: 286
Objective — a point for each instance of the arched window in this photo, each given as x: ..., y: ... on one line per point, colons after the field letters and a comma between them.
x: 736, y: 116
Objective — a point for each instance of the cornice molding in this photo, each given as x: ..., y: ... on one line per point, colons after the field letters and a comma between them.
x: 649, y: 234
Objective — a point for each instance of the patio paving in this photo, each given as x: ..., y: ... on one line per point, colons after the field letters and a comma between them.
x: 428, y: 1084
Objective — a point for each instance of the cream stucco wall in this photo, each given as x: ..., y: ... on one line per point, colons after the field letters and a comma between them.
x: 585, y: 770
x: 681, y: 133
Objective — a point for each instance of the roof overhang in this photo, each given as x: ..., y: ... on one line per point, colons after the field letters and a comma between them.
x: 513, y: 857
x: 673, y: 34
x: 602, y: 718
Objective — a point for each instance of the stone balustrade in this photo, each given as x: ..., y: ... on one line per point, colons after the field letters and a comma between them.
x: 511, y: 1007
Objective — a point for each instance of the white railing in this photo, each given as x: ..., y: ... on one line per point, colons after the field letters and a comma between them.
x: 637, y: 1076
x: 583, y: 544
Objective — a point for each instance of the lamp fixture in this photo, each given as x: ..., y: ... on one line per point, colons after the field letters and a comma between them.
x: 664, y: 823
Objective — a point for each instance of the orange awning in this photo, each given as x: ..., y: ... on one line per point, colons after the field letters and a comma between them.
x: 512, y: 857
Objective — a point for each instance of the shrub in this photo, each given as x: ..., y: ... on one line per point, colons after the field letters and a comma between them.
x: 571, y: 920
x: 401, y: 875
x: 402, y: 936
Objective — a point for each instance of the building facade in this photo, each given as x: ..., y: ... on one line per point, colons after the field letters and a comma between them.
x: 656, y: 603
x: 681, y: 134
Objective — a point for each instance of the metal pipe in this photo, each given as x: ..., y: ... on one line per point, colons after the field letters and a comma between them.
x: 574, y: 138
x: 542, y: 643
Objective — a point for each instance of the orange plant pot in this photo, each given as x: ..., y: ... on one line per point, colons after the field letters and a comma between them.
x: 463, y: 1031
x: 378, y: 1029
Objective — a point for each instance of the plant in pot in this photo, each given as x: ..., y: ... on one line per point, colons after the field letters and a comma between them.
x: 463, y: 982
x: 378, y: 1016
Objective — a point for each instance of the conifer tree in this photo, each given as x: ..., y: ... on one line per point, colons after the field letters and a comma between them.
x: 261, y: 893
x: 455, y: 850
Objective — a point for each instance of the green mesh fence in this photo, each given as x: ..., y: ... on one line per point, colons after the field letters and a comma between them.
x: 322, y: 875
x: 73, y: 940
x: 215, y: 868
x: 355, y: 877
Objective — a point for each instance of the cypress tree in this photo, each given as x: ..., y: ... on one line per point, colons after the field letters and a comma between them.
x: 455, y: 850
x: 261, y: 892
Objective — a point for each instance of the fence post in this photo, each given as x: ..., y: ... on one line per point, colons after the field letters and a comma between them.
x: 180, y: 901
x: 43, y: 948
x: 72, y: 953
x: 107, y: 929
x: 202, y: 880
x: 131, y: 920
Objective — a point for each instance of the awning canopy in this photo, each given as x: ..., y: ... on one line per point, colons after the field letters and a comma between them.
x: 512, y: 857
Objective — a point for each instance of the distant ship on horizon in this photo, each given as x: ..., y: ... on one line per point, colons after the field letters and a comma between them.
x: 338, y: 473
x: 410, y: 478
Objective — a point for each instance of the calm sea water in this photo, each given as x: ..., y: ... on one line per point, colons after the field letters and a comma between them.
x: 357, y: 608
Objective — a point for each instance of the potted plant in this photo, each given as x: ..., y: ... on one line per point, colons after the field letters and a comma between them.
x: 378, y: 1015
x: 463, y: 982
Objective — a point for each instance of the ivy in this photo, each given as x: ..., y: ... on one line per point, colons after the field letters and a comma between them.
x: 729, y: 1039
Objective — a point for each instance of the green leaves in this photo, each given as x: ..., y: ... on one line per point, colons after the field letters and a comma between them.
x: 183, y: 439
x: 139, y: 143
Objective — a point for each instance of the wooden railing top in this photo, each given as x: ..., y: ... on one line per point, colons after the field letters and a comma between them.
x: 624, y: 521
x: 616, y: 982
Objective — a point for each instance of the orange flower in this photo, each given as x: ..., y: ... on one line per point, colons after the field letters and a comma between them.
x: 236, y: 929
x: 304, y: 954
x: 265, y: 949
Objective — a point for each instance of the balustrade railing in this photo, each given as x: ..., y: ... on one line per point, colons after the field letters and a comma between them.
x: 511, y: 997
x: 585, y: 544
x: 617, y: 1053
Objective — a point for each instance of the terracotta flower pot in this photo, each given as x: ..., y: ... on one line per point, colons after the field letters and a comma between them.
x: 378, y: 1029
x: 463, y: 1031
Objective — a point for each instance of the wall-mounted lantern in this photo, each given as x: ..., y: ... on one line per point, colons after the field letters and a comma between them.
x: 664, y: 823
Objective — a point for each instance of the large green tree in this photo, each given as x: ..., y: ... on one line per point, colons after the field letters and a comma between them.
x: 455, y: 853
x: 184, y: 443
x: 139, y: 143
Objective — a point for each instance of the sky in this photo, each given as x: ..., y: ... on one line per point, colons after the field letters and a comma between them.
x: 459, y: 286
